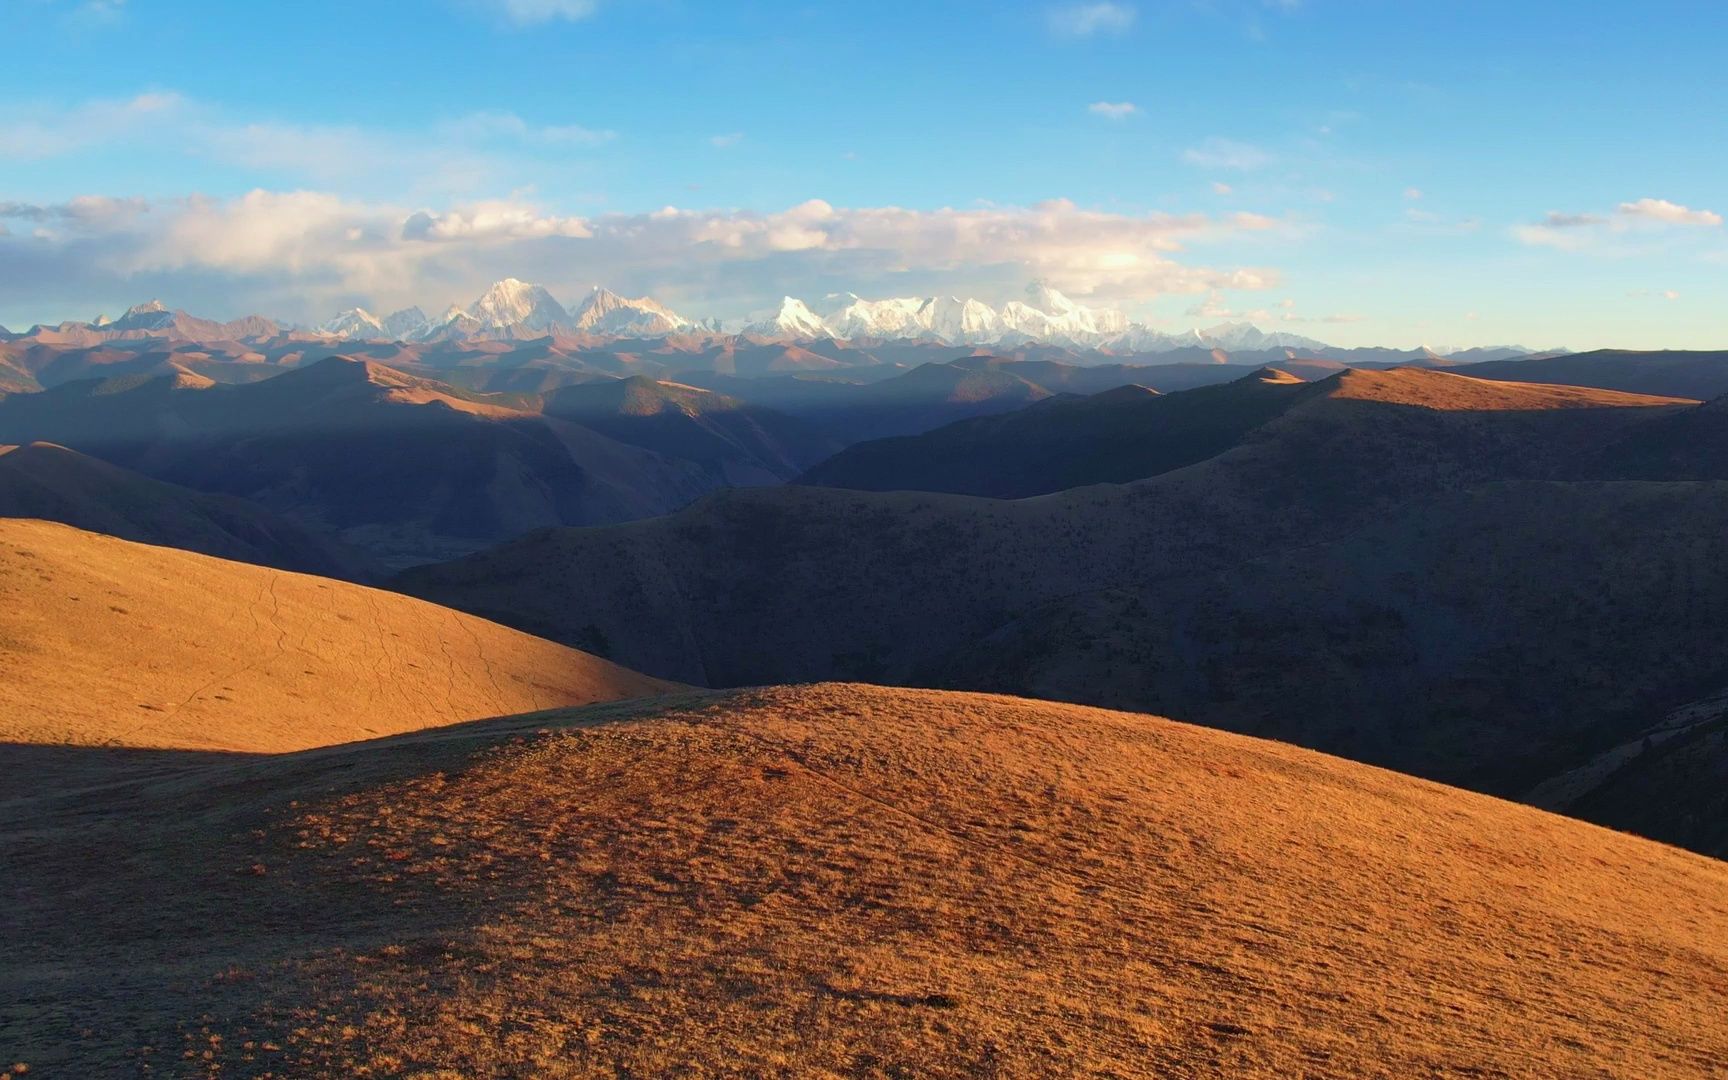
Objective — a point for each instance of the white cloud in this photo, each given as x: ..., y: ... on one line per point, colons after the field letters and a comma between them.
x: 1616, y: 232
x: 299, y: 253
x: 1113, y: 110
x: 1668, y: 213
x: 726, y: 141
x: 1413, y: 193
x: 1086, y: 20
x: 1212, y: 307
x: 1220, y: 153
x: 1219, y: 187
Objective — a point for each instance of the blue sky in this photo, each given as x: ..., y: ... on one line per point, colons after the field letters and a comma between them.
x: 1361, y: 171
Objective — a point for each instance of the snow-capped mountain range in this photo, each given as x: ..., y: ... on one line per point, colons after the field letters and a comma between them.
x: 1044, y: 317
x: 518, y: 309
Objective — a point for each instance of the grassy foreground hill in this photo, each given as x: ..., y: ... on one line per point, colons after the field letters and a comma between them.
x: 835, y: 880
x: 108, y: 643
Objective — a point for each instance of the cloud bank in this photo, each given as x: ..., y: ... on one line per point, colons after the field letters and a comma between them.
x: 302, y: 254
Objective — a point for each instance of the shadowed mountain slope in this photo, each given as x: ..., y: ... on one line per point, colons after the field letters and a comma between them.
x: 1111, y: 437
x: 838, y: 880
x: 1669, y: 781
x: 52, y: 483
x: 1689, y: 445
x: 110, y: 643
x: 740, y: 443
x: 406, y: 468
x: 1677, y: 373
x: 1354, y: 575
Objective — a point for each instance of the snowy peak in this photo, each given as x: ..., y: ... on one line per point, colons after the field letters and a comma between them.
x: 846, y: 315
x: 955, y: 321
x: 1041, y: 296
x: 1047, y: 315
x: 404, y: 324
x: 794, y: 319
x: 510, y: 304
x: 515, y: 308
x: 1246, y: 336
x: 355, y: 324
x: 456, y: 323
x: 606, y: 312
x: 153, y: 315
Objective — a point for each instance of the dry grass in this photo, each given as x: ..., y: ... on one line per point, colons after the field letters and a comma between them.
x: 110, y: 643
x: 844, y: 881
x: 1461, y: 393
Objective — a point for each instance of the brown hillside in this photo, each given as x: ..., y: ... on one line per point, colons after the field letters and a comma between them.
x: 839, y: 881
x: 110, y: 643
x: 1461, y: 393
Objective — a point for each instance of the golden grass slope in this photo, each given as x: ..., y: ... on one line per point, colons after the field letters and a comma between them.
x: 1460, y: 393
x: 109, y: 643
x: 841, y: 881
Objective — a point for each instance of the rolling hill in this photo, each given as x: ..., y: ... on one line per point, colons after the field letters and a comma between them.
x: 939, y: 393
x: 834, y: 880
x: 108, y: 643
x: 1106, y: 438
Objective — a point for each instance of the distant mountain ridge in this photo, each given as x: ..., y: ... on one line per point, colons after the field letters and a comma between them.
x: 516, y: 310
x: 513, y: 309
x: 1045, y: 316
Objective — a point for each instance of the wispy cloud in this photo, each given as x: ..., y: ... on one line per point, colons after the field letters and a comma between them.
x: 456, y: 154
x: 493, y: 124
x: 1221, y: 153
x: 97, y: 14
x: 1597, y: 231
x: 726, y: 141
x: 1087, y: 20
x: 1113, y: 110
x: 537, y: 12
x: 45, y: 131
x: 1668, y: 213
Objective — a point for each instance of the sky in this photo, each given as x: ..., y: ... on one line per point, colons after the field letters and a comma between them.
x: 1381, y: 172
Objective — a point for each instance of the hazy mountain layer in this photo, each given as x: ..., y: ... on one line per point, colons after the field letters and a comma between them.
x: 406, y: 468
x: 52, y: 483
